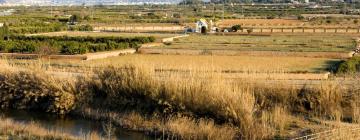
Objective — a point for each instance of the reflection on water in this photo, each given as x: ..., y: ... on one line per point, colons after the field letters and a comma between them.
x: 72, y: 125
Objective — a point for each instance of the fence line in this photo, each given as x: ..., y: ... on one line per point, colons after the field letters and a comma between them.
x: 302, y: 30
x: 350, y: 132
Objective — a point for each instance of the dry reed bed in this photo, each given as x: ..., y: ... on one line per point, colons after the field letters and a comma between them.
x: 230, y: 67
x: 245, y: 111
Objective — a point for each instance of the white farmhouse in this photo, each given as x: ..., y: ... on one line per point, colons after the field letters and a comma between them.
x: 201, y: 26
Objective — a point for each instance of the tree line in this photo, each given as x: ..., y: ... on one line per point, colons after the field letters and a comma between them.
x: 68, y: 45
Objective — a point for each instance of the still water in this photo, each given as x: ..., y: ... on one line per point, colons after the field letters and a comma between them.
x: 72, y: 125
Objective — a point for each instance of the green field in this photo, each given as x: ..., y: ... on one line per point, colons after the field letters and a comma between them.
x: 294, y: 43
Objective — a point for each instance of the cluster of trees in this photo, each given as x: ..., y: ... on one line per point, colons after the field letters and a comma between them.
x: 38, y: 29
x: 90, y: 39
x: 68, y: 45
x: 29, y: 25
x: 50, y: 28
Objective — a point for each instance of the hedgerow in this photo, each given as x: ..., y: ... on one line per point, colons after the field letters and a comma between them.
x: 69, y: 45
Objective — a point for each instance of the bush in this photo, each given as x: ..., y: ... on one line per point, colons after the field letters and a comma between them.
x: 81, y: 28
x: 356, y: 21
x: 249, y: 31
x: 23, y: 47
x: 3, y: 46
x: 300, y: 17
x: 235, y: 28
x: 73, y: 48
x: 350, y: 66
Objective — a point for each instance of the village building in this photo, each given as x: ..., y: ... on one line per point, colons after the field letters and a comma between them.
x: 201, y: 26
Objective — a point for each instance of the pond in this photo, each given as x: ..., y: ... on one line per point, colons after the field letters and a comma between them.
x: 72, y: 125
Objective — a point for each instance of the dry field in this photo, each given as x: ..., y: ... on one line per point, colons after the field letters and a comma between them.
x: 228, y: 67
x: 287, y: 43
x: 263, y: 22
x: 338, y: 21
x: 221, y: 63
x: 249, y: 64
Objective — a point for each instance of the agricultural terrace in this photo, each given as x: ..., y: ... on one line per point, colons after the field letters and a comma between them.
x: 286, y: 43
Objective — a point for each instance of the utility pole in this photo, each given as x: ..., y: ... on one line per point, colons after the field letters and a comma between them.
x: 51, y: 7
x: 223, y: 14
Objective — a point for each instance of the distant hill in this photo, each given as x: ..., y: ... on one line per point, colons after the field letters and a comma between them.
x: 86, y: 2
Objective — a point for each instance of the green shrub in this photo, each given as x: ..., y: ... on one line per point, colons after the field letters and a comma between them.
x: 3, y: 46
x: 235, y: 28
x: 72, y: 48
x: 23, y: 47
x: 86, y: 28
x: 350, y: 66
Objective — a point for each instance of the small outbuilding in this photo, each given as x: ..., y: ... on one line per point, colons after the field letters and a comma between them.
x: 201, y: 26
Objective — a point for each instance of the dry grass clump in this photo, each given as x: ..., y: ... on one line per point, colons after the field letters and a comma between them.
x: 276, y: 119
x: 32, y: 90
x: 130, y: 88
x: 188, y: 128
x: 325, y: 101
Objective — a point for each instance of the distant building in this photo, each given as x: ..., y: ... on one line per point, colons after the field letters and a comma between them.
x: 201, y: 26
x: 1, y: 24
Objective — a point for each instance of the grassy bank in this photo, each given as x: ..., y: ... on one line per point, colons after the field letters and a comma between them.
x: 194, y: 107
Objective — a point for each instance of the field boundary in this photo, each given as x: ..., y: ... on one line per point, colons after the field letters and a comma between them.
x: 339, y: 133
x: 88, y: 56
x: 295, y: 30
